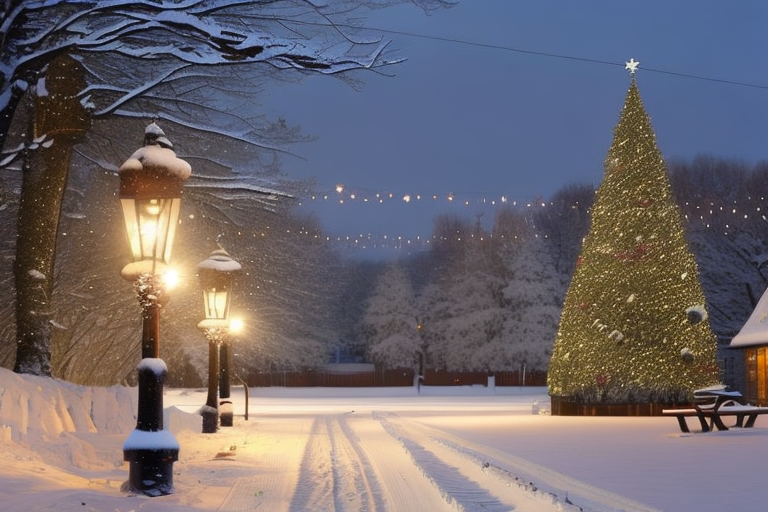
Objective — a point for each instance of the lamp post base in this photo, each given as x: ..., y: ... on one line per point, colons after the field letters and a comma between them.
x: 210, y: 419
x: 226, y: 414
x: 150, y: 449
x: 151, y: 470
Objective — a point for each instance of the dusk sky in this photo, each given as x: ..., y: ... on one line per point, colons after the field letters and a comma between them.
x: 524, y: 104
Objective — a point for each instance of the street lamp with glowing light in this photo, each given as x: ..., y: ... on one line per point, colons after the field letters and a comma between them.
x: 216, y: 275
x: 151, y: 183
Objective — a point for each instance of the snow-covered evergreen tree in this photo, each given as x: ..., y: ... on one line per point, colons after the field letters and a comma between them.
x: 532, y: 298
x: 390, y: 322
x: 464, y: 310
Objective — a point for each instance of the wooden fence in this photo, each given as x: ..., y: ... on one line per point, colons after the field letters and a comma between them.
x: 314, y: 378
x: 392, y: 378
x: 443, y: 378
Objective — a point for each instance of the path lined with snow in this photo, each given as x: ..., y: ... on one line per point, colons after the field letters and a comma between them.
x: 368, y: 450
x: 380, y: 454
x: 358, y: 462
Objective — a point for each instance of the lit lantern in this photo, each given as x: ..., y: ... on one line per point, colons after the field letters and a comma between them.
x: 151, y: 181
x: 150, y: 192
x: 216, y: 275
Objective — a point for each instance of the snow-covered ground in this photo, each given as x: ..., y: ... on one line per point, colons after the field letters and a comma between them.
x: 377, y: 450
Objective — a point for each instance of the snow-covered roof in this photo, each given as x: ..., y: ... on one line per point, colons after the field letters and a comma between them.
x: 755, y: 331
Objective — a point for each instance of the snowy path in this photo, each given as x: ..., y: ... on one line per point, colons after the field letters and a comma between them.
x: 366, y: 450
x: 373, y: 462
x: 368, y: 461
x: 350, y: 463
x: 334, y: 474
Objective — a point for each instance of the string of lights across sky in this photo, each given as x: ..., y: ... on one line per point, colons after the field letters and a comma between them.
x: 708, y: 215
x: 343, y: 195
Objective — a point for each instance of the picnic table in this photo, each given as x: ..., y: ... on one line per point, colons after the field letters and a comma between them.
x: 712, y: 404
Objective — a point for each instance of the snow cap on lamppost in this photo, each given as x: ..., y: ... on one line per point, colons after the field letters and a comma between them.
x: 151, y: 182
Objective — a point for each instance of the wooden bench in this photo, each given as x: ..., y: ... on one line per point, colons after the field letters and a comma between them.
x: 711, y: 415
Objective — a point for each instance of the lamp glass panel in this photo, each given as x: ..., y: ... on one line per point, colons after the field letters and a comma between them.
x: 174, y: 209
x: 132, y: 226
x: 151, y: 227
x: 216, y: 303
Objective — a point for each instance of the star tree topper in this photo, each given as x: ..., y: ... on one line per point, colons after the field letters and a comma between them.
x: 632, y: 66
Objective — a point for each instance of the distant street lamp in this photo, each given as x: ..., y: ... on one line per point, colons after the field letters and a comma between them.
x: 151, y: 182
x: 216, y: 275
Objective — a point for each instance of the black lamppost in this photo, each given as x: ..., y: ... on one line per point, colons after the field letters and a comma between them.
x: 216, y: 275
x: 226, y: 413
x: 151, y: 182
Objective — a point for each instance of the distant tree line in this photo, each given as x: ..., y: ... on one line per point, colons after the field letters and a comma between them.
x: 490, y: 300
x: 480, y: 299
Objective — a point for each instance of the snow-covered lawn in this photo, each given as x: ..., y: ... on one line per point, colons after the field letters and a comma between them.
x: 377, y: 450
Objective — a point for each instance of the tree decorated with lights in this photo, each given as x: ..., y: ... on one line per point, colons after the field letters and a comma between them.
x: 633, y: 328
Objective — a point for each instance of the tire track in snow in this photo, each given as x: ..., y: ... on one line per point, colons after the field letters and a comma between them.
x: 335, y: 475
x: 583, y: 497
x: 403, y: 484
x: 458, y: 491
x: 313, y: 491
x: 579, y: 495
x: 534, y: 479
x: 366, y: 483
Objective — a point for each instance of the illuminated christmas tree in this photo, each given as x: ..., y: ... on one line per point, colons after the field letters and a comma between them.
x: 633, y: 329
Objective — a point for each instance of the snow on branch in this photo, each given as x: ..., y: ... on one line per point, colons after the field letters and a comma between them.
x: 283, y: 33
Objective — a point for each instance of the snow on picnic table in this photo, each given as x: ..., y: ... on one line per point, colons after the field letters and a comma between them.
x: 378, y: 450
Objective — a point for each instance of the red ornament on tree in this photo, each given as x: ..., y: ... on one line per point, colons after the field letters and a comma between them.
x: 645, y: 202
